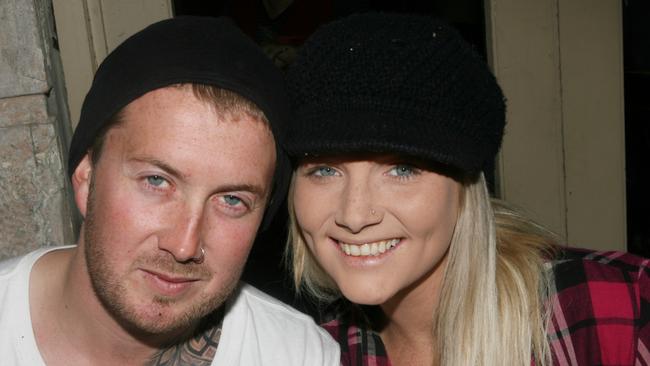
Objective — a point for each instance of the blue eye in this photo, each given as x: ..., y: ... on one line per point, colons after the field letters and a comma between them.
x: 324, y: 171
x: 232, y: 200
x: 232, y: 205
x: 402, y: 170
x: 156, y: 180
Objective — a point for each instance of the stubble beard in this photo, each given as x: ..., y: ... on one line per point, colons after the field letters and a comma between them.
x: 110, y: 289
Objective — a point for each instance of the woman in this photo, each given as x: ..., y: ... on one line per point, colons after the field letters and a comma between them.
x: 395, y: 120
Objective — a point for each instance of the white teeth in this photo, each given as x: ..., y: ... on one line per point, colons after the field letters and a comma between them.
x: 365, y: 249
x: 368, y: 249
x: 354, y: 250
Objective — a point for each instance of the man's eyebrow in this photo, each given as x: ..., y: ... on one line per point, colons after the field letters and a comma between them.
x: 160, y: 164
x: 255, y: 189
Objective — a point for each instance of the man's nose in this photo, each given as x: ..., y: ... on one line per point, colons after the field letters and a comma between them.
x: 357, y: 208
x: 183, y: 240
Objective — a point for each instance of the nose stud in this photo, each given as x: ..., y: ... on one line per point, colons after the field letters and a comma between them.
x: 373, y: 212
x: 201, y: 257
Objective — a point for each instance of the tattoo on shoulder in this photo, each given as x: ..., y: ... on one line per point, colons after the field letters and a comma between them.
x: 200, y: 349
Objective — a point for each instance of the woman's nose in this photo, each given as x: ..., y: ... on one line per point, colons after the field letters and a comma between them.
x: 357, y: 209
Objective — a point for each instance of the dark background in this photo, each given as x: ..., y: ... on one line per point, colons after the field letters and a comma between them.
x: 636, y: 53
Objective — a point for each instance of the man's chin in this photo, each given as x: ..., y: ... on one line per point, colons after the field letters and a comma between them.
x: 164, y: 316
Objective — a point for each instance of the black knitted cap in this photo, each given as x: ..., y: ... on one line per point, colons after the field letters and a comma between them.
x: 390, y: 83
x: 197, y: 50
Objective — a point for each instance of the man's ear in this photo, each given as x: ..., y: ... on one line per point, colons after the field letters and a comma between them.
x: 81, y: 183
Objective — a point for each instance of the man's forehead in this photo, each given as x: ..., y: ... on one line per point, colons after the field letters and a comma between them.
x: 162, y: 97
x: 174, y: 128
x: 224, y: 103
x: 175, y: 114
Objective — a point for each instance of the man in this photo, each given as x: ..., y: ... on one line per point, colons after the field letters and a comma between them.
x: 173, y: 163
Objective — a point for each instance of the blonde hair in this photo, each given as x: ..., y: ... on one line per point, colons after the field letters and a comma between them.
x: 492, y: 305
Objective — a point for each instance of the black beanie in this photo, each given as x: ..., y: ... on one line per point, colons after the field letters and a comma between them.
x: 196, y: 50
x: 390, y: 83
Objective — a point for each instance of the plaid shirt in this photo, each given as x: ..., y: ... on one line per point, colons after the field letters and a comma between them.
x: 600, y: 314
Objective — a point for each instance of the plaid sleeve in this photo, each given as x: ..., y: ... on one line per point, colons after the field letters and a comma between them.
x: 600, y: 309
x: 359, y: 347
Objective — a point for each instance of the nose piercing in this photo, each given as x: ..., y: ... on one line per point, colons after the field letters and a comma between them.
x: 201, y: 258
x: 372, y: 211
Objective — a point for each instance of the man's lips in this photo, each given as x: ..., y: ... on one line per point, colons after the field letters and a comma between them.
x: 171, y: 278
x: 166, y: 284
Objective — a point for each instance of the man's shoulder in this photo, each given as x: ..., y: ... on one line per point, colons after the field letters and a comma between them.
x: 268, y: 306
x: 13, y: 266
x: 17, y: 342
x: 8, y: 266
x: 263, y: 330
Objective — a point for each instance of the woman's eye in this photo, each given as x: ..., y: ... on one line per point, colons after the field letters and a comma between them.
x: 156, y: 180
x: 324, y: 171
x: 403, y: 170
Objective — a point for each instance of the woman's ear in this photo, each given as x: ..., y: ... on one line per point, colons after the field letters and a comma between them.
x: 81, y: 180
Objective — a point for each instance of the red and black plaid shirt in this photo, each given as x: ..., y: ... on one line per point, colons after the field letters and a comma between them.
x: 600, y: 314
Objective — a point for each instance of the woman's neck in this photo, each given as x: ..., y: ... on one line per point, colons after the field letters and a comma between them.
x: 408, y: 331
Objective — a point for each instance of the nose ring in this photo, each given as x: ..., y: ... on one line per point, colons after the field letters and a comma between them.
x: 201, y: 258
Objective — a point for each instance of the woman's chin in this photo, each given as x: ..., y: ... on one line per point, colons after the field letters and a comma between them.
x: 364, y: 296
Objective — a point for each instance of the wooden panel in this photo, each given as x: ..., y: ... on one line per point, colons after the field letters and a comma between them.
x: 122, y: 18
x: 89, y: 29
x: 563, y: 157
x: 523, y: 49
x: 594, y: 127
x: 77, y: 54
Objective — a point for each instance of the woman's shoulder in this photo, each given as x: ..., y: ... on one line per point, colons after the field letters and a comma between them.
x: 600, y: 306
x: 359, y: 345
x: 599, y: 280
x: 583, y: 267
x: 623, y: 260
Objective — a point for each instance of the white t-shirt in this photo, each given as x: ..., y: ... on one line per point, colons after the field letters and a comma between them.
x: 257, y: 329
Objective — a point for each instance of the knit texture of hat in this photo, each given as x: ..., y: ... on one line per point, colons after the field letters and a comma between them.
x: 197, y: 50
x: 389, y: 83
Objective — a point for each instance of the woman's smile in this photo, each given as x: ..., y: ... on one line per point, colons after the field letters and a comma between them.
x: 368, y: 249
x: 381, y: 225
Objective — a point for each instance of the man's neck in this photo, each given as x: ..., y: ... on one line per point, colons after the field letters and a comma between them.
x: 200, y: 349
